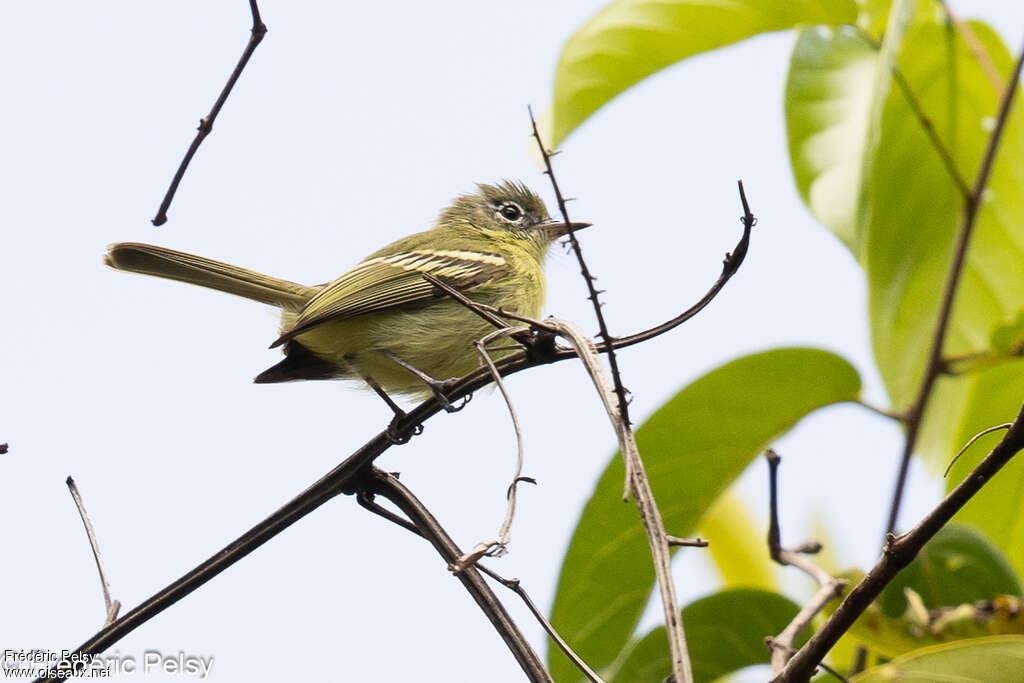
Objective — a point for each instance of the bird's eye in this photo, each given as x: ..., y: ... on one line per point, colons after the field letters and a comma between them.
x: 510, y: 212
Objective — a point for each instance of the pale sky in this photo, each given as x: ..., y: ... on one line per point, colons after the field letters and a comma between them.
x: 354, y: 125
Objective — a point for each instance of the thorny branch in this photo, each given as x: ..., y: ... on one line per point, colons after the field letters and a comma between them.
x: 898, y: 552
x: 935, y: 364
x: 828, y: 587
x: 636, y: 478
x: 341, y: 478
x: 259, y: 29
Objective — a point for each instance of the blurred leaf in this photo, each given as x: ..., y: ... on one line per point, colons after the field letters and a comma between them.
x: 694, y: 446
x: 996, y: 659
x: 959, y: 565
x: 740, y: 548
x: 1001, y: 615
x: 725, y: 632
x: 1008, y: 337
x: 829, y: 92
x: 873, y: 16
x: 994, y: 397
x: 629, y: 40
x: 911, y: 208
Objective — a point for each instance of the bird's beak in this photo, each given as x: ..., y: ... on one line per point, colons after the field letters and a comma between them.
x: 555, y: 229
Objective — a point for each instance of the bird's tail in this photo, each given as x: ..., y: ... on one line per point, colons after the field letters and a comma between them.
x: 177, y: 265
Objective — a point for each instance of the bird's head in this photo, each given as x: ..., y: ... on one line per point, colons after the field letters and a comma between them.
x: 508, y: 209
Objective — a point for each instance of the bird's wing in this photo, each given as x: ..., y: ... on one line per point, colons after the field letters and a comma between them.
x: 395, y: 280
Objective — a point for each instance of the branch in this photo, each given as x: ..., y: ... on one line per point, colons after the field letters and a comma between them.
x: 340, y: 479
x: 899, y: 551
x: 381, y: 483
x: 935, y: 364
x: 730, y: 264
x: 113, y: 606
x: 516, y: 587
x: 259, y: 29
x: 620, y: 391
x: 366, y: 500
x: 828, y: 587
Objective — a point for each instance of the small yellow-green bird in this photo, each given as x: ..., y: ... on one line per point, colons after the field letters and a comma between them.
x: 382, y: 321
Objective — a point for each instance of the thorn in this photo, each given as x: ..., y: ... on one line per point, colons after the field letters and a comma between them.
x: 555, y: 154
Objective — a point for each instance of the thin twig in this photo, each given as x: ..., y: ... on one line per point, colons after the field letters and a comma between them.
x: 381, y: 483
x: 829, y: 587
x: 967, y: 445
x: 340, y: 479
x: 515, y: 586
x: 899, y: 551
x: 698, y: 542
x: 730, y: 264
x: 650, y: 515
x: 879, y: 411
x: 366, y: 500
x: 620, y: 391
x: 112, y: 606
x: 498, y: 547
x: 934, y: 366
x: 774, y: 645
x: 259, y: 29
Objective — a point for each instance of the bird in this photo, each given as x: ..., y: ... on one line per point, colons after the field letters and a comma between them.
x: 382, y: 322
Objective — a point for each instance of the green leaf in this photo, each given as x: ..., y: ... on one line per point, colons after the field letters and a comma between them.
x: 629, y: 40
x: 959, y: 565
x: 994, y: 397
x: 911, y: 209
x: 739, y: 548
x: 996, y: 659
x: 829, y: 94
x: 873, y: 16
x: 1008, y: 337
x: 693, y: 447
x: 724, y: 632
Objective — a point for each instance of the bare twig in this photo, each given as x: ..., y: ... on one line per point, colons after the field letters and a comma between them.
x: 935, y: 365
x: 589, y: 279
x: 423, y: 523
x: 112, y: 606
x: 829, y: 587
x: 649, y: 513
x: 497, y: 548
x: 515, y: 586
x: 892, y: 415
x: 967, y: 445
x: 366, y: 500
x: 730, y: 264
x: 259, y: 29
x: 698, y: 542
x: 775, y: 645
x: 899, y: 551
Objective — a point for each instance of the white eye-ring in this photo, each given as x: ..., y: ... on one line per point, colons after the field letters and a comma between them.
x: 511, y: 212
